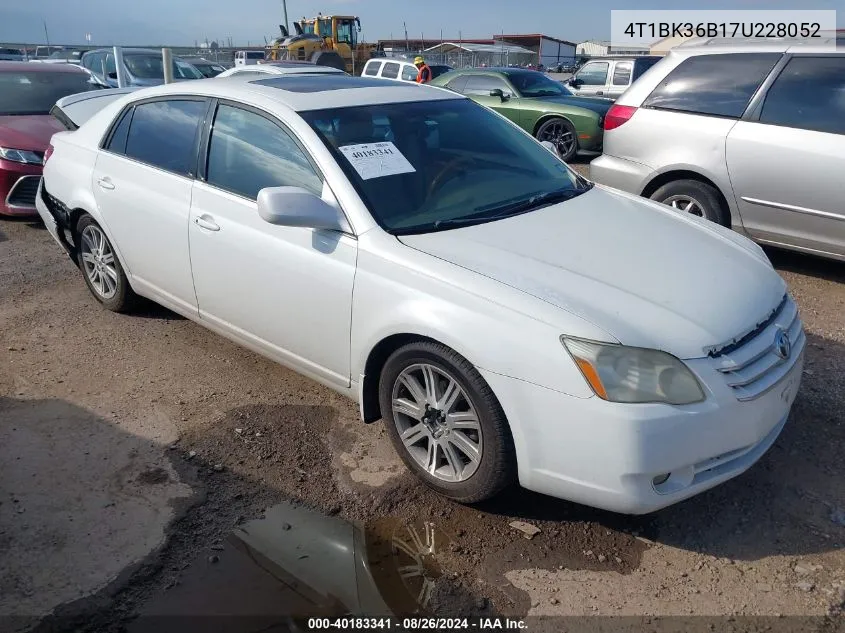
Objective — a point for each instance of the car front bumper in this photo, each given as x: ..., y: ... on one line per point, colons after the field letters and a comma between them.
x: 607, y: 455
x: 620, y: 173
x: 18, y: 183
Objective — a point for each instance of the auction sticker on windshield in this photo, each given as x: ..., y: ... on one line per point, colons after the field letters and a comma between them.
x: 376, y: 160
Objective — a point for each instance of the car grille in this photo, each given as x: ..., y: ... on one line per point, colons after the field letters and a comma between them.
x: 757, y: 364
x: 23, y: 192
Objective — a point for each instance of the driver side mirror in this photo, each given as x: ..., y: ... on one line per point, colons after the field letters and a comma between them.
x: 498, y: 92
x: 112, y: 75
x: 574, y: 82
x: 294, y: 206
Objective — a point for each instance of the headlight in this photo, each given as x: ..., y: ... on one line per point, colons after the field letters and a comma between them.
x: 631, y: 374
x: 20, y: 156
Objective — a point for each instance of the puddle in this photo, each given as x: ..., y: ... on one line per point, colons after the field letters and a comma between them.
x: 295, y: 564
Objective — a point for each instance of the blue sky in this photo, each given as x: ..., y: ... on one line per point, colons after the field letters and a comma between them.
x: 181, y: 22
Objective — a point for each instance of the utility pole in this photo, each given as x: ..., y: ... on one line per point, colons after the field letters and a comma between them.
x: 407, y: 44
x: 285, y: 10
x: 46, y: 35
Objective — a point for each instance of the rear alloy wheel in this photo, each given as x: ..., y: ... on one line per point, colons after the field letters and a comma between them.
x: 693, y: 197
x: 445, y: 422
x: 101, y: 269
x: 560, y: 133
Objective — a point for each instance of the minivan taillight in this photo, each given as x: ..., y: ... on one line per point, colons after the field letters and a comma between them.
x: 47, y: 153
x: 617, y: 115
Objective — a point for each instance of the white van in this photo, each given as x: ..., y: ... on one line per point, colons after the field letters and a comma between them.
x: 248, y: 58
x: 399, y: 70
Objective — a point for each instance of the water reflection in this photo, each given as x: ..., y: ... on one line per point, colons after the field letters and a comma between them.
x: 275, y: 573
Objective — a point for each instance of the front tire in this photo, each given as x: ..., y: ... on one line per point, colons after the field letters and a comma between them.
x: 561, y: 133
x: 693, y: 197
x: 100, y: 267
x: 445, y: 422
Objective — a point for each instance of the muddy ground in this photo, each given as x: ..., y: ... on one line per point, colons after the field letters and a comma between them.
x: 131, y: 447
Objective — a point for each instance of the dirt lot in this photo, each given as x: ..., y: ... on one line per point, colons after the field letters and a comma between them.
x: 131, y: 446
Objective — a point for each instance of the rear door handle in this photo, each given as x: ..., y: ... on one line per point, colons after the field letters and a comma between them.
x: 206, y: 222
x: 105, y: 183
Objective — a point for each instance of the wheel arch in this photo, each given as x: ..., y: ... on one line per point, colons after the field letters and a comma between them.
x: 75, y: 213
x: 552, y: 115
x: 376, y: 359
x: 686, y: 174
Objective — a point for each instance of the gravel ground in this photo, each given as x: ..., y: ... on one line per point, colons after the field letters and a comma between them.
x: 132, y: 445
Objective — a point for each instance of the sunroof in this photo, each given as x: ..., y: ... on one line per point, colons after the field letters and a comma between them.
x: 322, y: 83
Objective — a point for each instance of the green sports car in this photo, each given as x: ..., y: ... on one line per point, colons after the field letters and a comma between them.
x: 539, y: 105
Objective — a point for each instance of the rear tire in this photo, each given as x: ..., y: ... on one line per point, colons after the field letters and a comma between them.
x: 460, y: 446
x: 694, y: 197
x: 101, y: 268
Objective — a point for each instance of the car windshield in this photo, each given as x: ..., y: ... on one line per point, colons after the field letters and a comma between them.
x: 150, y: 66
x: 537, y: 85
x: 434, y: 165
x: 37, y: 92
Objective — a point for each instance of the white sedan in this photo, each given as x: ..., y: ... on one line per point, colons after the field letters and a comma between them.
x: 507, y: 319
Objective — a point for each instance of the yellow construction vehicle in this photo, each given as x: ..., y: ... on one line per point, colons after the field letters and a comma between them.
x: 328, y: 40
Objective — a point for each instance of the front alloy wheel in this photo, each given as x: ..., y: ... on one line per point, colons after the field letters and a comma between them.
x: 437, y: 423
x: 561, y: 134
x: 445, y: 422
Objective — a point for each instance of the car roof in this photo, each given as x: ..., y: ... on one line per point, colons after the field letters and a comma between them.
x: 39, y: 68
x: 710, y: 45
x: 623, y: 58
x: 305, y: 92
x: 280, y: 70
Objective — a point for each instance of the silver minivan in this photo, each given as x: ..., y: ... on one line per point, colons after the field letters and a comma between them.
x: 747, y: 134
x: 609, y: 77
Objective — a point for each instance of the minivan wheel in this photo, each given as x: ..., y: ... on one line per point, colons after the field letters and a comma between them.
x: 100, y: 267
x: 561, y: 133
x: 445, y: 422
x: 693, y: 197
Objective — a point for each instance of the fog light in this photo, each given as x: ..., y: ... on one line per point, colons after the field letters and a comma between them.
x: 660, y: 479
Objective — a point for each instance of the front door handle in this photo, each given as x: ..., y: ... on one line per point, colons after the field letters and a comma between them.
x: 105, y: 183
x: 600, y: 92
x: 206, y: 222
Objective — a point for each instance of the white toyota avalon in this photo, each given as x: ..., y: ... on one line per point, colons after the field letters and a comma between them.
x: 508, y: 320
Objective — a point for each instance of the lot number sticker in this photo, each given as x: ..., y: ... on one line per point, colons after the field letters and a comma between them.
x: 376, y: 160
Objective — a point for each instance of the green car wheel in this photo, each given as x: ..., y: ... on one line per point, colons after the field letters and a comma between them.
x: 561, y: 133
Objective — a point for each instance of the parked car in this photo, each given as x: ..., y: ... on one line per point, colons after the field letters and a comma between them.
x: 75, y: 109
x: 507, y: 322
x: 752, y: 136
x: 12, y: 55
x: 539, y: 105
x: 609, y: 76
x: 27, y: 92
x: 399, y: 70
x: 43, y: 52
x: 65, y: 56
x: 248, y: 58
x: 143, y: 67
x: 206, y: 67
x: 280, y: 68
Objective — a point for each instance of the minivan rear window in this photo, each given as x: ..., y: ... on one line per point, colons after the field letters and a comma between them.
x: 716, y: 85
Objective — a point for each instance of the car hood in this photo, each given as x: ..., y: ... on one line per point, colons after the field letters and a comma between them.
x: 596, y: 104
x: 647, y: 275
x: 30, y: 132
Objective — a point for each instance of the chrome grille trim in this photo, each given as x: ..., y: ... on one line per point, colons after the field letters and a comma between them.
x: 754, y: 368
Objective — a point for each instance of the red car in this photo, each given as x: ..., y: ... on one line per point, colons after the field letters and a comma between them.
x: 27, y: 93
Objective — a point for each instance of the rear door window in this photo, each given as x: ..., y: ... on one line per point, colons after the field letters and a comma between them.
x: 117, y: 142
x: 593, y: 74
x: 390, y: 70
x: 163, y: 134
x: 717, y: 85
x: 371, y: 69
x: 809, y: 94
x: 409, y: 73
x: 622, y: 73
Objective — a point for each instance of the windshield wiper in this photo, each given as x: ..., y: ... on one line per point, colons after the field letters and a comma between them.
x: 493, y: 212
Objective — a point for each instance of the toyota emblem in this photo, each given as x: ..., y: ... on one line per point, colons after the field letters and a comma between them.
x: 783, y: 346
